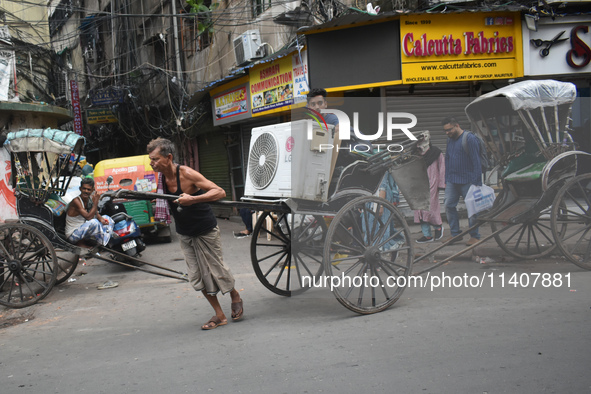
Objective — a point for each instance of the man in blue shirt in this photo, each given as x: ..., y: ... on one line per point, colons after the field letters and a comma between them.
x: 462, y: 169
x: 317, y: 101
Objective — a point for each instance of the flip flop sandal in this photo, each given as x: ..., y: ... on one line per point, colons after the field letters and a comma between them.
x: 108, y: 285
x: 237, y: 311
x: 216, y: 323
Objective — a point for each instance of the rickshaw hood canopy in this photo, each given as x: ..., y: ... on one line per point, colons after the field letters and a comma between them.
x: 528, y: 95
x: 44, y: 140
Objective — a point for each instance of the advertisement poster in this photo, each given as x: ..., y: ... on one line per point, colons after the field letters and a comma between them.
x: 300, y: 76
x: 131, y: 173
x: 7, y: 199
x: 271, y: 86
x: 456, y: 48
x: 231, y: 103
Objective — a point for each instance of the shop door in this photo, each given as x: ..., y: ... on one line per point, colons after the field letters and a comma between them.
x: 214, y: 165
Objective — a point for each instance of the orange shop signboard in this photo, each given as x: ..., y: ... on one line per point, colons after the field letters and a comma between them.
x: 460, y: 47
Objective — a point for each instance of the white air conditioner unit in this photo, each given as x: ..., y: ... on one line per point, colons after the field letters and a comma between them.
x: 89, y: 54
x: 246, y: 47
x: 283, y: 163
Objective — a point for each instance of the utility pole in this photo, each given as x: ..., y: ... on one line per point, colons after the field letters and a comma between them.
x: 176, y: 41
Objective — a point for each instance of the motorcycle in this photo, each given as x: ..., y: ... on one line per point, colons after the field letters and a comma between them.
x: 126, y: 237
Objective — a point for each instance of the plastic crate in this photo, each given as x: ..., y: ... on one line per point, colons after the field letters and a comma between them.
x: 141, y: 211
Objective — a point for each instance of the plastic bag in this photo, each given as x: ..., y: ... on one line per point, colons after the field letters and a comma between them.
x: 479, y: 198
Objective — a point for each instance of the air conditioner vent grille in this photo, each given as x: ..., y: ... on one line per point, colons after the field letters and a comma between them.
x: 263, y: 160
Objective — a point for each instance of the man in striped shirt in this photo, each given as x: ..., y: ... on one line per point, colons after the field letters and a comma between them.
x: 462, y: 169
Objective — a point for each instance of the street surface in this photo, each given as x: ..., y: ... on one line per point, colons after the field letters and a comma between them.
x: 144, y: 336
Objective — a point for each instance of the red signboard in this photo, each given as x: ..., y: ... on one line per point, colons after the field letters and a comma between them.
x: 76, y: 107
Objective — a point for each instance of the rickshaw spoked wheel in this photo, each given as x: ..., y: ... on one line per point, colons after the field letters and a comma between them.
x: 368, y: 255
x: 285, y: 248
x: 28, y: 265
x: 66, y: 264
x: 529, y: 240
x: 571, y: 220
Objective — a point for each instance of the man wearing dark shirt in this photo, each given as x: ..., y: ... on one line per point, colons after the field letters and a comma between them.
x: 462, y: 170
x: 197, y: 229
x: 317, y: 101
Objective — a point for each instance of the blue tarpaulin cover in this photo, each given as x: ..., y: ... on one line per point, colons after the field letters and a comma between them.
x: 43, y: 140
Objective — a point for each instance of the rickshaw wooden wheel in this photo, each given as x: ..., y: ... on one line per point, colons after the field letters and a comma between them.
x: 66, y: 264
x: 530, y: 240
x: 368, y: 255
x: 285, y: 248
x: 28, y: 265
x: 571, y: 220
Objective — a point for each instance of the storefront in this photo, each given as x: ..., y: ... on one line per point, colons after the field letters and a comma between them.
x: 429, y: 65
x: 265, y: 96
x: 426, y: 64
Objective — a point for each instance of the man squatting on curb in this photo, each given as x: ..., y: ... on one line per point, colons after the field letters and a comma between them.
x: 197, y: 228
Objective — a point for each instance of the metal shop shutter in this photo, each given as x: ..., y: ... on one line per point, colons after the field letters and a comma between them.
x: 430, y: 104
x: 213, y: 164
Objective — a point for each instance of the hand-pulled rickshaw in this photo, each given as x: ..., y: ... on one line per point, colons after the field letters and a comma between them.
x: 34, y: 252
x: 339, y: 234
x: 344, y: 237
x: 544, y: 199
x: 544, y: 203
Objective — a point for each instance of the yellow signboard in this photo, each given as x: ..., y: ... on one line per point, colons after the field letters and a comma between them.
x: 458, y: 47
x: 96, y: 116
x: 271, y: 86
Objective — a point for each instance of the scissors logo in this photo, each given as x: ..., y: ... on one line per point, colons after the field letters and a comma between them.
x: 548, y: 43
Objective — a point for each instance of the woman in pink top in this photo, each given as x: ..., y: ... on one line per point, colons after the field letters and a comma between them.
x: 436, y: 171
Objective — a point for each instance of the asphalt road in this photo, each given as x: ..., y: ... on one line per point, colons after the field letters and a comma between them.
x: 144, y: 335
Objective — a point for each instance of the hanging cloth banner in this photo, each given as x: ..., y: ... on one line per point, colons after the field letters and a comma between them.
x: 5, y: 70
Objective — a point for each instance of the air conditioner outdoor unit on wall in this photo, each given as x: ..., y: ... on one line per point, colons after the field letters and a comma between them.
x: 246, y: 46
x: 283, y: 163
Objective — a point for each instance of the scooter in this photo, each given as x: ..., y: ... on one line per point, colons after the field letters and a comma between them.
x: 126, y: 236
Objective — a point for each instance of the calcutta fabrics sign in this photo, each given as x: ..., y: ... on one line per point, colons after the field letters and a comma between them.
x: 452, y: 48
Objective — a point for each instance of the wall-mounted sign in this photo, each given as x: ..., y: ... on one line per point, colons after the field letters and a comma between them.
x: 230, y: 102
x: 453, y: 47
x: 76, y: 107
x: 299, y: 64
x: 96, y: 116
x: 559, y: 46
x: 271, y: 85
x: 106, y: 96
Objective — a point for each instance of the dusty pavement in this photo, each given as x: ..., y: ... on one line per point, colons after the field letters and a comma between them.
x: 144, y: 335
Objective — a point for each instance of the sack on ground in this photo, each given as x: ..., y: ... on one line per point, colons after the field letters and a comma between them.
x: 479, y: 198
